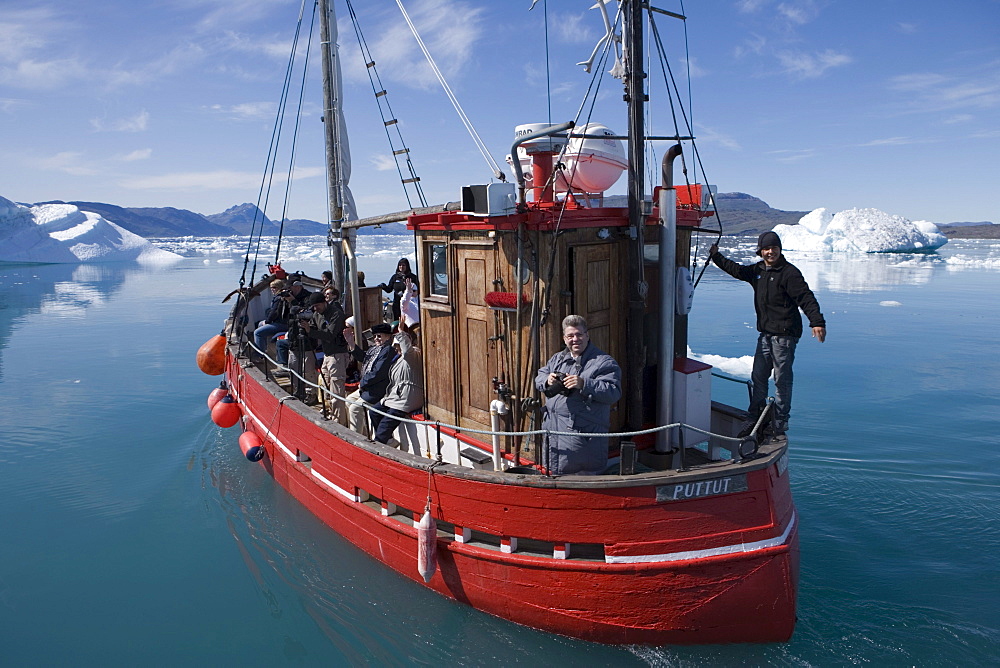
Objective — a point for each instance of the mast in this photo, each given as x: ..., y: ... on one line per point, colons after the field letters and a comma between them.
x: 332, y: 128
x: 636, y: 97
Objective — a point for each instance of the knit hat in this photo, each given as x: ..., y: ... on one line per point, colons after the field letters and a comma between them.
x: 766, y: 239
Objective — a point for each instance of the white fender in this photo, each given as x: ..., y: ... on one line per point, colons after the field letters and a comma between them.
x: 427, y: 546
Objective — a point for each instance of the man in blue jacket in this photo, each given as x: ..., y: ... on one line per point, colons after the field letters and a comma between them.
x: 581, y: 382
x: 779, y: 292
x: 375, y: 365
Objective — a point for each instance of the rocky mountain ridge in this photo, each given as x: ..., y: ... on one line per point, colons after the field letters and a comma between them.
x: 739, y: 213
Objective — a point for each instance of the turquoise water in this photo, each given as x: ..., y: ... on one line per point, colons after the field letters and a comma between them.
x: 135, y: 533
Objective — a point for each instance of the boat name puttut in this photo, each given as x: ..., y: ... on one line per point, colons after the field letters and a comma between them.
x: 694, y: 490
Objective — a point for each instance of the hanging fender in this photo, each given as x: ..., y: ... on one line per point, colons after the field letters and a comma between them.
x: 427, y: 545
x: 251, y: 446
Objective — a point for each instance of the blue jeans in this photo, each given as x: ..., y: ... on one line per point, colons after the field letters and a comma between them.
x: 775, y: 353
x: 385, y: 426
x: 262, y: 335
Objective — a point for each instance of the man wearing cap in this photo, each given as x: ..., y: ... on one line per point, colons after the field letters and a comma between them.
x: 327, y: 327
x: 779, y: 292
x: 375, y: 365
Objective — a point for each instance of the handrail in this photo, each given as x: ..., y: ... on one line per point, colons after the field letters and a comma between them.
x: 487, y: 432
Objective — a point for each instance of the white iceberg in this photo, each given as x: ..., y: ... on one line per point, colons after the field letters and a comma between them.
x: 62, y: 233
x: 860, y: 231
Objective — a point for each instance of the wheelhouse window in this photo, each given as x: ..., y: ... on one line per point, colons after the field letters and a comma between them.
x: 438, y: 264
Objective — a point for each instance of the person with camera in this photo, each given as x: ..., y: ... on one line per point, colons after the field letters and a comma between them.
x: 397, y: 284
x: 327, y: 327
x: 581, y: 383
x: 297, y: 352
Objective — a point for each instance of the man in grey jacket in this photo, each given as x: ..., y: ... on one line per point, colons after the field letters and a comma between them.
x: 581, y: 383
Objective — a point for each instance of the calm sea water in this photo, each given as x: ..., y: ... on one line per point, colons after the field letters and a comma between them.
x: 135, y: 533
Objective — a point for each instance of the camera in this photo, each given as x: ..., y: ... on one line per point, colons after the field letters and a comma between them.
x: 285, y: 293
x: 557, y: 387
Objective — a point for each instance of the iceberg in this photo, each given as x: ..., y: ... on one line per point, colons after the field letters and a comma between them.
x: 860, y: 231
x: 62, y: 233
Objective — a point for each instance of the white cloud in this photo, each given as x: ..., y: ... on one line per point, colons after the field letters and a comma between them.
x: 932, y: 91
x: 68, y: 162
x: 450, y: 30
x: 811, y: 65
x: 793, y: 155
x: 247, y: 110
x: 139, y: 154
x: 897, y: 141
x: 382, y: 162
x: 707, y: 136
x: 958, y: 118
x: 222, y: 179
x: 579, y: 28
x: 137, y: 123
x: 798, y: 13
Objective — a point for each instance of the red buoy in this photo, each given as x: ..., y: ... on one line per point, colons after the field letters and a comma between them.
x: 212, y: 355
x: 251, y: 445
x: 226, y: 412
x: 216, y: 395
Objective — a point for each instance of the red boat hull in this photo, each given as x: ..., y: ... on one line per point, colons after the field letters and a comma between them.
x: 713, y: 569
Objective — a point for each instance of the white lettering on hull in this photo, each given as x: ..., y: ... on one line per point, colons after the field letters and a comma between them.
x: 701, y: 488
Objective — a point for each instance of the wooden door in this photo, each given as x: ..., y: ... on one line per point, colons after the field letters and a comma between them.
x: 595, y: 277
x: 476, y: 353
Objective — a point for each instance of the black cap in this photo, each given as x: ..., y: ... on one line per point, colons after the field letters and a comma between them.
x: 766, y: 239
x: 381, y: 328
x: 315, y: 298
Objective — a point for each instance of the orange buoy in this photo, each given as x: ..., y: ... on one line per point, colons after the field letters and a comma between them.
x: 226, y: 412
x: 427, y: 546
x: 251, y: 445
x: 216, y: 395
x: 212, y: 355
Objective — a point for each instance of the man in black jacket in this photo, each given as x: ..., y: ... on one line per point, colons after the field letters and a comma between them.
x: 327, y: 327
x: 779, y: 292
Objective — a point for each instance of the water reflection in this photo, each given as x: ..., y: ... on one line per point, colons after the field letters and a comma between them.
x: 63, y: 290
x: 870, y: 272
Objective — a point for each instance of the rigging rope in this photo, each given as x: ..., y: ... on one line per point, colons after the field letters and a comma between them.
x: 271, y: 158
x: 497, y: 172
x: 295, y: 136
x: 380, y: 96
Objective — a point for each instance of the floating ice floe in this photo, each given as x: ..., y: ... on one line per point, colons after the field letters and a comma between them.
x: 61, y: 233
x: 860, y: 231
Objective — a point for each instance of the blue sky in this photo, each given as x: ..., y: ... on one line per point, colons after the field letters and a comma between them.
x: 891, y: 104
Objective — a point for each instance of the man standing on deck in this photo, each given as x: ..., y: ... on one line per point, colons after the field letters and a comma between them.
x: 779, y: 292
x: 327, y: 327
x: 581, y: 383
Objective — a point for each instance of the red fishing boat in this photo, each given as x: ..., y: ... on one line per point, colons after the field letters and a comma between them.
x: 689, y: 536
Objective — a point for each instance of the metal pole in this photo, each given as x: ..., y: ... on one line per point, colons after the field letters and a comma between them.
x: 331, y: 120
x: 635, y: 95
x: 668, y: 295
